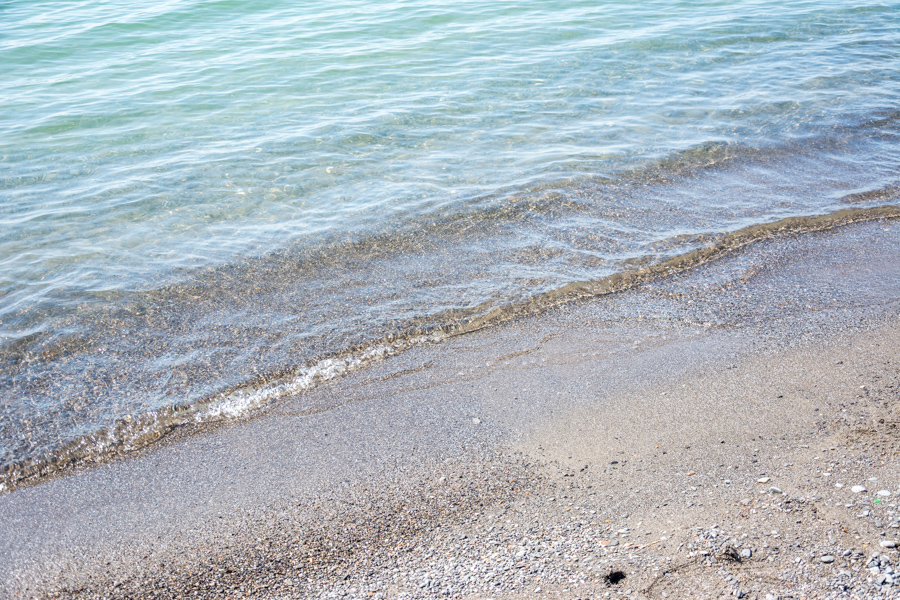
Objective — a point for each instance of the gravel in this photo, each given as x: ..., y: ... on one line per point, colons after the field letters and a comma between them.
x: 515, y: 528
x: 620, y: 513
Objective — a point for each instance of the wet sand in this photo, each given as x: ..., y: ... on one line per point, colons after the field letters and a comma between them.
x: 630, y: 443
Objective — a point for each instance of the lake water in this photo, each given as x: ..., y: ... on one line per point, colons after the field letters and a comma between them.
x: 208, y: 204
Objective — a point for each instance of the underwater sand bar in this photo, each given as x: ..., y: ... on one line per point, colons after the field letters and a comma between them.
x: 641, y: 404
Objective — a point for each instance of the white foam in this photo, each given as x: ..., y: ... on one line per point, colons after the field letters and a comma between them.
x: 240, y: 402
x: 134, y: 433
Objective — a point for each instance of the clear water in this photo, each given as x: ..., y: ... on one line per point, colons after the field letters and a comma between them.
x: 208, y: 199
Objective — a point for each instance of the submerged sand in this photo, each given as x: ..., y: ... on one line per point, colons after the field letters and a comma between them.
x: 697, y: 437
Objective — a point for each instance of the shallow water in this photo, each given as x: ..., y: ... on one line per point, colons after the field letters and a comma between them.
x: 205, y: 205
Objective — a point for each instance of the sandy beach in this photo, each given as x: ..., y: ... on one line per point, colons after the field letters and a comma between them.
x: 729, y: 431
x: 449, y: 300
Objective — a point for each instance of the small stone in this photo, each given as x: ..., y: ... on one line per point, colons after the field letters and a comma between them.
x: 857, y: 489
x: 746, y: 553
x: 827, y: 559
x: 763, y: 480
x: 774, y: 490
x: 745, y: 501
x: 476, y: 421
x: 883, y: 493
x: 888, y: 544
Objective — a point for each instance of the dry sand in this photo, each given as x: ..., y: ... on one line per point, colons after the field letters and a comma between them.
x: 696, y: 438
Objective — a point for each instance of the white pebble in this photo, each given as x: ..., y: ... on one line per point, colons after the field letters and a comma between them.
x: 857, y: 489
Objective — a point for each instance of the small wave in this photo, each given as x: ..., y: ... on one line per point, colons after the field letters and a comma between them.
x: 242, y: 401
x: 645, y: 270
x: 885, y: 194
x: 134, y: 433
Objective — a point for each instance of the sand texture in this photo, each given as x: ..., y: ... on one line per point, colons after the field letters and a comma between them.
x: 698, y: 437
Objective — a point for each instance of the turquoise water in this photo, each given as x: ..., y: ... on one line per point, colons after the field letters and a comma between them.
x: 201, y: 198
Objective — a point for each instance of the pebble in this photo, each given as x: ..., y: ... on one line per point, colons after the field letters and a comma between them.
x: 883, y: 493
x: 488, y: 545
x: 763, y: 480
x: 857, y: 489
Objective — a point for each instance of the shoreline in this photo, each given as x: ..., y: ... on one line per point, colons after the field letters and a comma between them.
x: 669, y: 404
x: 139, y: 433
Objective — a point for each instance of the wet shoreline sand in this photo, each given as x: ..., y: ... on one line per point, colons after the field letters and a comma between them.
x: 637, y: 436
